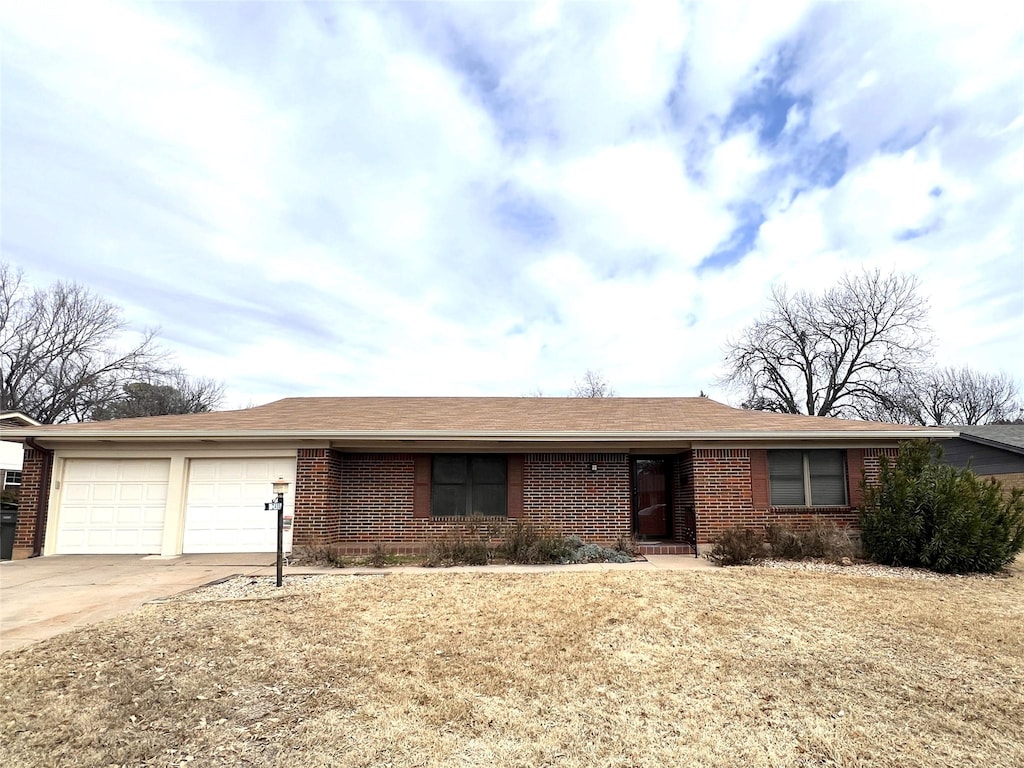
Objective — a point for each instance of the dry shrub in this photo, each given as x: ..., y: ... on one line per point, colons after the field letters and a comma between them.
x: 823, y: 540
x: 524, y: 542
x: 379, y: 557
x: 737, y: 546
x: 627, y: 544
x: 458, y: 548
x: 319, y: 554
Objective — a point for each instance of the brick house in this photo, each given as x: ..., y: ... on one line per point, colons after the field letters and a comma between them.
x: 673, y: 472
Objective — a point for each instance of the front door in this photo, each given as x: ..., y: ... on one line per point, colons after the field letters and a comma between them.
x: 651, y: 512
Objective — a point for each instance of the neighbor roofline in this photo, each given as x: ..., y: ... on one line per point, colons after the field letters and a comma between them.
x: 27, y: 421
x: 991, y: 443
x: 477, y: 435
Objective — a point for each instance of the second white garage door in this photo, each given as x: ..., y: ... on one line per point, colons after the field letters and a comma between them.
x: 224, y: 511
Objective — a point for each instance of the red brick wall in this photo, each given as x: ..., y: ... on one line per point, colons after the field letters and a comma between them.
x: 318, y: 493
x: 722, y: 492
x: 872, y: 462
x: 724, y: 495
x: 36, y: 464
x: 559, y: 490
x: 562, y: 490
x: 362, y: 499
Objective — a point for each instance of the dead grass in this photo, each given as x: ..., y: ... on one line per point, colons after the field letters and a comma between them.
x: 741, y: 666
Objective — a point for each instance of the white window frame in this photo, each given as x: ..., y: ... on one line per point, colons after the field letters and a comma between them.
x: 7, y: 478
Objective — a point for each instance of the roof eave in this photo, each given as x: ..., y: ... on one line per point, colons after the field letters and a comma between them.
x: 459, y: 435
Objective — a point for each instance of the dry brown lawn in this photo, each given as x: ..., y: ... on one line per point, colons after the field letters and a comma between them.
x: 733, y: 667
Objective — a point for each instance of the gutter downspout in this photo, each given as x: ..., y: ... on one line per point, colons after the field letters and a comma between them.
x: 43, y: 498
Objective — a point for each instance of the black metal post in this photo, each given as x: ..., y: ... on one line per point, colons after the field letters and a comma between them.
x: 280, y: 539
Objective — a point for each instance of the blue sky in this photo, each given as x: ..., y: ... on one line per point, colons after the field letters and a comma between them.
x: 489, y: 199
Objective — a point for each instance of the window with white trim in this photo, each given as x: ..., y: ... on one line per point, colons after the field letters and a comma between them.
x: 813, y: 478
x: 12, y: 478
x: 463, y: 485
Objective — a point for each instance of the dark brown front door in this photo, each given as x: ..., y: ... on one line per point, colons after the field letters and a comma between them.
x: 651, y: 513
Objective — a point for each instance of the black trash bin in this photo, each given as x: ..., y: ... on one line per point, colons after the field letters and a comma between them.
x: 8, y: 522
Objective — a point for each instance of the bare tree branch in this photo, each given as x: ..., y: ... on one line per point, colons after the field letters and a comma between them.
x: 169, y: 393
x: 61, y: 355
x: 594, y: 384
x: 840, y: 353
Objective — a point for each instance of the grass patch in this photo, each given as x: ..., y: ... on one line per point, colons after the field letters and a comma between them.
x: 741, y: 666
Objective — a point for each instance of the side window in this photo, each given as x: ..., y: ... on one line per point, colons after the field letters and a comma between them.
x: 814, y: 478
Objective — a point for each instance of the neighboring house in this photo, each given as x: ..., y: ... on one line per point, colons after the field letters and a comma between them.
x: 991, y: 450
x: 11, y: 453
x: 404, y: 470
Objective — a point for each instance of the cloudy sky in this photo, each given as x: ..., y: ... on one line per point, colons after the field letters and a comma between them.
x: 489, y: 199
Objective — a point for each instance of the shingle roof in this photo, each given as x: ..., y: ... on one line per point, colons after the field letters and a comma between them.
x: 423, y: 416
x: 1008, y: 436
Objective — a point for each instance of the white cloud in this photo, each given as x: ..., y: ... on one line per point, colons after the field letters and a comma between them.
x: 488, y: 198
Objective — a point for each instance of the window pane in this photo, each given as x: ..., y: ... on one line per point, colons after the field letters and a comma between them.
x: 449, y: 469
x: 462, y: 485
x: 786, y: 476
x: 488, y: 469
x: 489, y: 499
x: 828, y: 477
x: 448, y: 501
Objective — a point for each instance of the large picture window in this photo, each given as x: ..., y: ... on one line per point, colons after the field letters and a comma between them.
x: 814, y: 478
x: 463, y: 485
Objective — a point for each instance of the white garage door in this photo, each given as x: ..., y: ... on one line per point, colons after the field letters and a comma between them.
x: 112, y: 506
x: 225, y: 512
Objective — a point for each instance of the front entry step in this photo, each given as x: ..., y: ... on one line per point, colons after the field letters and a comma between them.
x: 665, y: 548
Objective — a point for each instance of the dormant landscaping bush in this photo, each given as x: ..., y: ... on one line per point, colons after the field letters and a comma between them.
x: 737, y: 546
x: 925, y: 513
x: 824, y: 540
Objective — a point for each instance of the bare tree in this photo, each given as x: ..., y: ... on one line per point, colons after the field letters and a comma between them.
x: 60, y: 357
x: 594, y: 384
x: 840, y: 353
x: 953, y: 396
x: 172, y: 393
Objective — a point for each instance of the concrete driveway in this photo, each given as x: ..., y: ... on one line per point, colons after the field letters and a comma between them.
x: 44, y: 596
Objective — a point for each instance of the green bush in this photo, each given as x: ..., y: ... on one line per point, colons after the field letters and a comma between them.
x: 737, y: 546
x: 594, y: 553
x: 928, y: 514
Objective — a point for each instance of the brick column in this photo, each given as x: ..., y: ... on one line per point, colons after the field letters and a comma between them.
x: 317, y: 497
x: 34, y: 471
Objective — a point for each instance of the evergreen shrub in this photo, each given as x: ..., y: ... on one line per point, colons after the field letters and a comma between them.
x: 927, y: 514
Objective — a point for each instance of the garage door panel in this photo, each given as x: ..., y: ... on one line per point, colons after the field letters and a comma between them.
x: 77, y: 493
x: 224, y: 511
x: 102, y: 494
x: 156, y: 495
x: 129, y: 494
x: 112, y: 506
x: 257, y: 470
x: 74, y: 516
